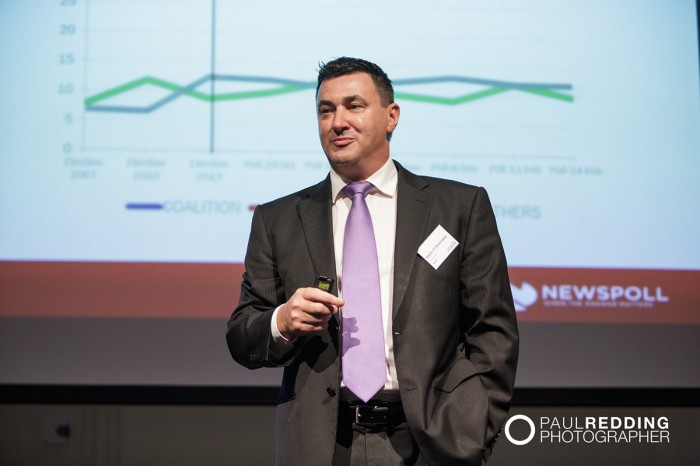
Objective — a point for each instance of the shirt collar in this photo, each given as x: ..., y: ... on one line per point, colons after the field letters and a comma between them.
x: 384, y: 180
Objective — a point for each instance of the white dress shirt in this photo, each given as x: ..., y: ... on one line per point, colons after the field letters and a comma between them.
x: 381, y: 201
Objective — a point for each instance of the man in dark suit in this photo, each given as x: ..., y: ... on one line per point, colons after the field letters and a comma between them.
x: 450, y: 334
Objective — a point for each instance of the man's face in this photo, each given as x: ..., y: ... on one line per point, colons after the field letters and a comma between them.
x: 352, y: 125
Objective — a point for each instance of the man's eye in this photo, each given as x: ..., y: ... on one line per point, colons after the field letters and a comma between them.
x: 324, y: 111
x: 355, y: 106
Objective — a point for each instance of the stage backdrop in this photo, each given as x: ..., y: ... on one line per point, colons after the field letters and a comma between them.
x: 138, y: 137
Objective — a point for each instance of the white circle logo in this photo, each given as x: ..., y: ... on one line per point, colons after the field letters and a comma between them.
x: 519, y: 417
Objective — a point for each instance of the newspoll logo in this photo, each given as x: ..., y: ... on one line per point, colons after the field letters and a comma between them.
x: 524, y: 296
x: 591, y: 296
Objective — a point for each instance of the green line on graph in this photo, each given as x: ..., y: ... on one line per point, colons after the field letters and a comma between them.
x: 260, y: 93
x: 550, y: 94
x: 192, y: 93
x: 451, y: 100
x: 480, y: 95
x: 284, y: 86
x: 125, y: 88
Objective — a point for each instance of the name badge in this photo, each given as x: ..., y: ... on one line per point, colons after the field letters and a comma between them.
x: 437, y: 247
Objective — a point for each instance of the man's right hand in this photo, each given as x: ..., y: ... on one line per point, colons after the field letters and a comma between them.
x: 307, y: 311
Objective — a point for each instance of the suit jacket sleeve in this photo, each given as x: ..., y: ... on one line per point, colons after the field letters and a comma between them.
x: 492, y: 333
x: 248, y: 333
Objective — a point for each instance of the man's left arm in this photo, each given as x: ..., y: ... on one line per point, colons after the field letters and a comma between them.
x: 492, y: 331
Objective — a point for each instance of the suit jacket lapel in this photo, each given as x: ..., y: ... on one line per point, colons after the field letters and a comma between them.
x: 412, y: 208
x: 316, y: 220
x: 317, y: 223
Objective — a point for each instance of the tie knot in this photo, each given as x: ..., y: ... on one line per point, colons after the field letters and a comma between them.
x: 357, y: 187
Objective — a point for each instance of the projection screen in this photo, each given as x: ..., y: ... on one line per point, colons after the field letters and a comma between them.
x: 138, y: 137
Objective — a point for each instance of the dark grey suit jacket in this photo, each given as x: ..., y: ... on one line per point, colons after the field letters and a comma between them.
x: 455, y: 333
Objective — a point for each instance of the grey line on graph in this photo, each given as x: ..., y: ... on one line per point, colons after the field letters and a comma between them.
x: 311, y: 85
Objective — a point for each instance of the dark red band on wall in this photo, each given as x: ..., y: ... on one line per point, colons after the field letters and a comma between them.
x: 206, y: 290
x: 119, y: 289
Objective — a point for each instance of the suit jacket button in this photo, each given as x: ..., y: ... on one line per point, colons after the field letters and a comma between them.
x: 330, y: 391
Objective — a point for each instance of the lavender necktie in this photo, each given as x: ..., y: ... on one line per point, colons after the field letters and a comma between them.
x: 364, y: 364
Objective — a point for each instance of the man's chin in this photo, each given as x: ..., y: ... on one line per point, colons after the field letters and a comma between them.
x: 341, y: 158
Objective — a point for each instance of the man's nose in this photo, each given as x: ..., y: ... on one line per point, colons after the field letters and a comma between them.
x: 339, y: 119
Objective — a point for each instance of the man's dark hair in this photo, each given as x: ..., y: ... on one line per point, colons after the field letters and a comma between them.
x: 347, y: 65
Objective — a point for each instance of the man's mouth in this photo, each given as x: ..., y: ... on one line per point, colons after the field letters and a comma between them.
x: 341, y: 141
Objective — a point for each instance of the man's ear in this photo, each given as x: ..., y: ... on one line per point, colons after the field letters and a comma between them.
x: 393, y: 113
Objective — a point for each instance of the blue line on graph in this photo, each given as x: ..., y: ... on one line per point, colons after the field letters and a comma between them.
x: 144, y: 206
x: 312, y: 84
